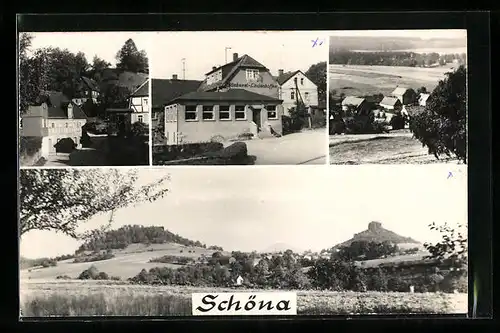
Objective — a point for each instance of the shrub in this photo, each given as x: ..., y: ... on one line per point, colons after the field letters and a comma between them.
x: 94, y: 257
x: 139, y: 129
x: 102, y: 276
x: 398, y: 121
x: 49, y: 263
x: 85, y: 140
x: 89, y: 274
x: 441, y: 127
x: 63, y: 277
x: 337, y: 126
x: 29, y: 145
x: 115, y: 278
x: 237, y: 150
x: 66, y: 145
x: 184, y: 151
x: 397, y: 283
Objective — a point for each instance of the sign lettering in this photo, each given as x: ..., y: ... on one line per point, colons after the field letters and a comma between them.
x: 243, y: 303
x: 253, y: 85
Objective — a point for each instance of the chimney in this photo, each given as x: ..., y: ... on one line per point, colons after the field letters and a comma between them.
x: 70, y: 111
x: 174, y: 77
x: 235, y: 56
x: 280, y: 72
x: 214, y: 68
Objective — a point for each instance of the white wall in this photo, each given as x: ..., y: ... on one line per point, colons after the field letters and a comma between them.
x: 307, y: 88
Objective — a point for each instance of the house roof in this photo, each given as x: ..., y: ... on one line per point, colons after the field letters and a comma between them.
x: 352, y: 100
x: 233, y: 95
x: 163, y: 90
x: 423, y: 97
x: 57, y: 104
x: 400, y: 91
x: 90, y: 83
x: 389, y: 101
x: 281, y: 79
x: 229, y: 70
x: 142, y: 91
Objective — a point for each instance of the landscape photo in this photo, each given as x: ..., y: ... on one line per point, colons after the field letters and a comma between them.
x: 239, y: 104
x: 83, y: 99
x: 124, y: 242
x: 398, y: 96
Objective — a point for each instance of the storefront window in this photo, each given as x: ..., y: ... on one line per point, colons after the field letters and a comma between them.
x: 271, y: 112
x: 208, y: 112
x: 191, y: 112
x: 239, y: 112
x: 224, y: 113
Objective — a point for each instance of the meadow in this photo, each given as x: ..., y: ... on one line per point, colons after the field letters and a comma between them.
x: 114, y: 298
x: 360, y: 80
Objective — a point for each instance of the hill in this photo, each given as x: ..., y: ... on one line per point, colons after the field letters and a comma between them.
x: 376, y: 233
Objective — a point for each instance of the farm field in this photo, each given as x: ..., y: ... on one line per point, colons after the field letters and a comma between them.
x: 398, y: 148
x: 126, y: 264
x: 360, y: 80
x: 98, y: 298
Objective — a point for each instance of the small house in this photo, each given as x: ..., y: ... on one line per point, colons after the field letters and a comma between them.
x: 295, y: 86
x: 139, y: 103
x: 406, y: 96
x: 391, y: 104
x: 356, y: 105
x: 422, y: 99
x: 239, y: 280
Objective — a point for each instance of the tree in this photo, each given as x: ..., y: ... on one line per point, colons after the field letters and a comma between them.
x: 97, y: 67
x: 317, y: 74
x: 442, y: 125
x: 28, y: 89
x: 129, y: 58
x: 453, y: 244
x: 61, y: 199
x: 422, y: 90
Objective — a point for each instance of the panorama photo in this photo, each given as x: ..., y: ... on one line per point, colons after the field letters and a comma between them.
x: 124, y: 242
x: 239, y: 103
x: 398, y: 96
x: 83, y: 99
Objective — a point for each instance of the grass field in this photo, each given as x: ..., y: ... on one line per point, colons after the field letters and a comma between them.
x: 126, y: 264
x: 399, y: 148
x: 362, y: 80
x: 99, y: 298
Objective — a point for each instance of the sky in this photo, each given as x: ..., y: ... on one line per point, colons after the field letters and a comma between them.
x: 309, y: 207
x: 287, y: 50
x: 424, y: 34
x: 103, y: 44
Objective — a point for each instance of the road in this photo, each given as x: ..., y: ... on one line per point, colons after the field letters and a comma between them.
x: 92, y: 156
x: 308, y: 147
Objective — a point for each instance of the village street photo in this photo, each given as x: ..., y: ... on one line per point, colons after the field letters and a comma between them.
x: 247, y: 98
x: 83, y: 99
x: 98, y: 242
x: 398, y: 97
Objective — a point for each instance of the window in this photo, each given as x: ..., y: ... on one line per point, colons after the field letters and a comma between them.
x: 139, y: 118
x: 191, y: 113
x: 271, y: 112
x: 208, y: 112
x: 292, y: 94
x: 239, y: 112
x: 145, y: 101
x: 252, y: 74
x: 306, y: 96
x: 66, y: 125
x: 302, y: 81
x: 224, y: 113
x: 53, y: 125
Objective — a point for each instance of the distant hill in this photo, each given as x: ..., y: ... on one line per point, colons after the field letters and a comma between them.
x: 376, y: 233
x: 391, y: 43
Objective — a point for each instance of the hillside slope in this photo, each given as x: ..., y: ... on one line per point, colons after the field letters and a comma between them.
x: 376, y: 233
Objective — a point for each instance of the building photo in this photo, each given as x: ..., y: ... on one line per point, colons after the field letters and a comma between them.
x: 83, y: 99
x: 388, y: 89
x: 238, y: 104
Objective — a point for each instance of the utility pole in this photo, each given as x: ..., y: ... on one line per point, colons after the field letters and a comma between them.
x: 225, y: 51
x: 183, y: 68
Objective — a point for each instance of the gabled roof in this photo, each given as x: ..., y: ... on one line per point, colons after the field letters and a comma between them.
x: 142, y: 91
x: 286, y: 76
x: 90, y: 83
x: 353, y: 100
x: 389, y: 101
x: 230, y: 69
x: 57, y: 104
x: 423, y: 97
x: 400, y: 91
x: 233, y: 95
x: 165, y: 90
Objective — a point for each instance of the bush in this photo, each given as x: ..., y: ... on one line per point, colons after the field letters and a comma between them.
x: 139, y: 129
x: 102, y: 276
x: 91, y: 273
x: 66, y: 145
x: 184, y: 151
x: 237, y: 150
x: 337, y: 126
x: 94, y: 257
x: 29, y: 145
x: 96, y: 127
x: 85, y: 140
x: 49, y: 263
x: 397, y: 283
x: 441, y: 127
x: 398, y: 121
x: 63, y: 277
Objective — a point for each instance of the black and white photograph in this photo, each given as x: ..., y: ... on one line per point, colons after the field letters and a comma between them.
x: 83, y: 99
x: 140, y: 242
x: 239, y: 98
x: 397, y: 96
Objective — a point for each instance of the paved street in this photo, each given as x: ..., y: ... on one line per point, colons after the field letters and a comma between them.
x: 91, y: 156
x: 308, y: 147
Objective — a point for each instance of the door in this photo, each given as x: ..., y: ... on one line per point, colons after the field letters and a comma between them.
x: 256, y: 118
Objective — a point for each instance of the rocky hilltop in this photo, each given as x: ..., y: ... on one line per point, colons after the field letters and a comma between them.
x: 376, y: 233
